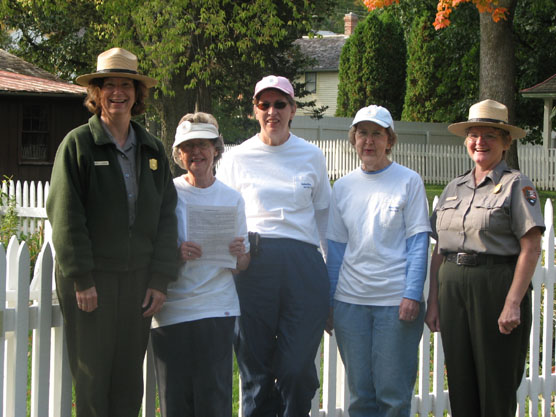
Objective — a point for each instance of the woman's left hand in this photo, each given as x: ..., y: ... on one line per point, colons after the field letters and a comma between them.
x: 509, y: 319
x: 409, y: 309
x: 237, y: 247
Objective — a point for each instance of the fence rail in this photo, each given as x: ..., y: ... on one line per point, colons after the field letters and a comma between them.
x: 31, y: 327
x: 439, y: 164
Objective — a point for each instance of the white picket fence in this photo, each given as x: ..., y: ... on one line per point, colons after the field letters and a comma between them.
x: 439, y: 164
x: 31, y: 327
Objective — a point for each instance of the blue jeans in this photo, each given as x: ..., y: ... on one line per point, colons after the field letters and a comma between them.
x: 379, y: 352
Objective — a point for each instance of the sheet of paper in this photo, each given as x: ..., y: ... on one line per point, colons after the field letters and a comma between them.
x: 213, y: 228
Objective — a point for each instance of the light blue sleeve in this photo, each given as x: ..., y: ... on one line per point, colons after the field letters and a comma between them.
x: 416, y: 265
x: 334, y: 260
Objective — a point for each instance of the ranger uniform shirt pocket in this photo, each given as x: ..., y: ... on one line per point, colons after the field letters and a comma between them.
x: 490, y: 214
x: 445, y: 214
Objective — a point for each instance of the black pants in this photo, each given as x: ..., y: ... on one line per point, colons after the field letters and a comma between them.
x: 484, y: 366
x: 193, y: 363
x: 106, y: 347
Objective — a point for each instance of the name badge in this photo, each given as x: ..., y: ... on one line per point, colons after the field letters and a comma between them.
x: 451, y: 198
x: 101, y: 163
x: 153, y: 164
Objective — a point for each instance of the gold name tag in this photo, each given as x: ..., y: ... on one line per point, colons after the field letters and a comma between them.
x: 451, y: 198
x: 101, y: 163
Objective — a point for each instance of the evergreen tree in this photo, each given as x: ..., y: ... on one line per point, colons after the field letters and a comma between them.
x: 372, y: 66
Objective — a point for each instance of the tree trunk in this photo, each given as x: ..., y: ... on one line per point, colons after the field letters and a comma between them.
x: 171, y: 109
x: 497, y: 66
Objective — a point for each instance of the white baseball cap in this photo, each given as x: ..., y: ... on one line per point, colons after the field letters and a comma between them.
x: 189, y: 131
x: 377, y: 114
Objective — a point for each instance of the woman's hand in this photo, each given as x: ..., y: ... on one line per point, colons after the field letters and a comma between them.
x: 510, y: 318
x: 153, y: 302
x: 237, y: 249
x: 329, y: 326
x: 409, y: 309
x: 87, y: 300
x: 190, y: 251
x: 432, y: 318
x: 530, y: 244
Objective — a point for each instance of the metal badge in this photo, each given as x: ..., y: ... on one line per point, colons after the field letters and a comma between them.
x: 497, y: 189
x: 153, y: 164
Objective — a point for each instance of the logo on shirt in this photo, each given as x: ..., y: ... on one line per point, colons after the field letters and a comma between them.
x: 530, y: 195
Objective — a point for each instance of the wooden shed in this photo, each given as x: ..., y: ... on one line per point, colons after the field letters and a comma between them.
x: 37, y: 109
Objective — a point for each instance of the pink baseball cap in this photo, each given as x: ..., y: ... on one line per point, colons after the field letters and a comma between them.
x: 274, y: 81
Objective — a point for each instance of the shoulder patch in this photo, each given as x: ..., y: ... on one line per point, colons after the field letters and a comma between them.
x: 530, y: 195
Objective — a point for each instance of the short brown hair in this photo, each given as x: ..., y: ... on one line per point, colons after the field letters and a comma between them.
x: 92, y: 101
x: 392, y: 137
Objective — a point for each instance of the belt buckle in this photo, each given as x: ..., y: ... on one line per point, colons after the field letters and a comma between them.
x: 466, y: 259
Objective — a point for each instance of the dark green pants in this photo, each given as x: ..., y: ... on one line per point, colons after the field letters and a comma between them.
x: 484, y: 366
x: 106, y: 347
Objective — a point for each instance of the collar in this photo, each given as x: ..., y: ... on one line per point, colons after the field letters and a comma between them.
x: 101, y: 138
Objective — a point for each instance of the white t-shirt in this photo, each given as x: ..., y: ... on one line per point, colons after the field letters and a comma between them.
x: 282, y: 186
x: 375, y: 214
x: 202, y: 290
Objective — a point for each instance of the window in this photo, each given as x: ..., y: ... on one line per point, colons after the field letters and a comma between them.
x: 311, y: 82
x: 34, y: 133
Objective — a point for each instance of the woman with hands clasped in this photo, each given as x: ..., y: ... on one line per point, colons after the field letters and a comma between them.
x: 192, y: 334
x: 378, y: 234
x: 488, y: 227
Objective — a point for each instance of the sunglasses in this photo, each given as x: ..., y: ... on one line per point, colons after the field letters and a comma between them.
x: 265, y: 105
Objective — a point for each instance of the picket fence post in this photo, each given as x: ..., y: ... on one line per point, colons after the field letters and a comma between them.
x: 32, y: 307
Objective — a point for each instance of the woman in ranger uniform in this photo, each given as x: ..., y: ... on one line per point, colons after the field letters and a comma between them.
x: 112, y: 208
x: 488, y: 226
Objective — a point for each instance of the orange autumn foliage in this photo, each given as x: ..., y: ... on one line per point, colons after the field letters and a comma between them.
x: 445, y: 7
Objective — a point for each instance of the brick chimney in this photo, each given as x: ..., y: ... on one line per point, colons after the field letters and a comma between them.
x: 350, y: 21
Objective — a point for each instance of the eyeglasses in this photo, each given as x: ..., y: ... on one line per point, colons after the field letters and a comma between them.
x: 265, y: 105
x: 373, y: 134
x: 489, y: 137
x: 189, y: 145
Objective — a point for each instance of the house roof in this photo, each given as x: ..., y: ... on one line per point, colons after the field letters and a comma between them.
x: 324, y: 50
x: 18, y: 76
x: 547, y: 88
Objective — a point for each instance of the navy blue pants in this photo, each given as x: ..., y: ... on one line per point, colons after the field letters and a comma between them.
x: 284, y: 305
x: 193, y: 362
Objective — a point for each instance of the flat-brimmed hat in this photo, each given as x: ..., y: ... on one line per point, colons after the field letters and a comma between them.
x: 274, y: 81
x: 487, y: 113
x: 189, y: 131
x: 116, y: 62
x: 376, y: 114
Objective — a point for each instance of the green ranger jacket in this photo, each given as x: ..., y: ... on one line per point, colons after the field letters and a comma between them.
x: 87, y: 207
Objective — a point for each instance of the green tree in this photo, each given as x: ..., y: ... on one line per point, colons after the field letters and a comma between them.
x: 372, y: 66
x: 205, y: 53
x: 535, y: 33
x: 441, y: 80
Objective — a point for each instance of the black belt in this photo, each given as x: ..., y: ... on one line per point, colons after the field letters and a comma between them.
x: 475, y: 259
